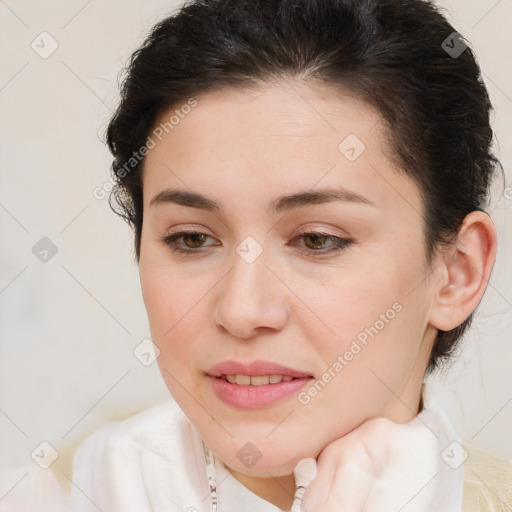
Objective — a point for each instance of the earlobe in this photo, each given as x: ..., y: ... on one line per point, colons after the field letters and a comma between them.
x: 466, y: 267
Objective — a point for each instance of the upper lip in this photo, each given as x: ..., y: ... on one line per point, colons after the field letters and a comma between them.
x: 252, y: 369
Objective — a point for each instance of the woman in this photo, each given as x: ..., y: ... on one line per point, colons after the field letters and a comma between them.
x: 306, y: 182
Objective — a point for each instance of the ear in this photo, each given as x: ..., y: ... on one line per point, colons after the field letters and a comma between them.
x: 464, y: 270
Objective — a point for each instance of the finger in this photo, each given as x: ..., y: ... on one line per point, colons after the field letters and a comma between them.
x: 340, y: 486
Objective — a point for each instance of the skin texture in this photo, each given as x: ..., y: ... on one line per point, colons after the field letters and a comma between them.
x: 292, y: 306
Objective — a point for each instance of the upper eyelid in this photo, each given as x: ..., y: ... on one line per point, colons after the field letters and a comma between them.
x: 183, y: 232
x: 205, y: 231
x: 193, y: 231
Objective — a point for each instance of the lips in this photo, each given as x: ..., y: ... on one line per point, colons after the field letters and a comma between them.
x: 255, y: 385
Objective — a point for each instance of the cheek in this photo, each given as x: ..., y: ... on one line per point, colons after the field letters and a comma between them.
x: 179, y: 307
x: 173, y: 307
x: 173, y: 322
x: 164, y: 298
x: 352, y: 302
x: 169, y: 299
x: 170, y: 292
x: 376, y: 312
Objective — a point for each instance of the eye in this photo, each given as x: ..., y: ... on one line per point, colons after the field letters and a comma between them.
x: 315, y: 242
x: 192, y: 240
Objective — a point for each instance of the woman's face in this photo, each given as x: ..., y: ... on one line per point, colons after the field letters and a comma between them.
x: 308, y: 253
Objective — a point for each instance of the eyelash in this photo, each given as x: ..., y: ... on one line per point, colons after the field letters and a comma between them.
x: 339, y: 243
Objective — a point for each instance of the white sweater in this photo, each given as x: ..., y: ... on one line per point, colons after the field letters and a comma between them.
x: 154, y: 462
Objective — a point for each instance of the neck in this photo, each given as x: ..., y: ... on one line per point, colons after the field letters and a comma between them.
x: 276, y: 490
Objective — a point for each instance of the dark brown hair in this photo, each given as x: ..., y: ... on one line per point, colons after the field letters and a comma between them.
x: 401, y: 56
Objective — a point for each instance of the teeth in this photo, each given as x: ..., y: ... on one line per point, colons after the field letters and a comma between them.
x: 257, y: 380
x: 260, y: 380
x: 243, y: 380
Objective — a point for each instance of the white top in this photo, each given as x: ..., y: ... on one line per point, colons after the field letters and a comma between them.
x: 154, y: 462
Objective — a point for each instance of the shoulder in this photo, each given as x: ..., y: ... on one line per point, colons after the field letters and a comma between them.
x: 143, y: 431
x: 113, y: 467
x: 487, y: 481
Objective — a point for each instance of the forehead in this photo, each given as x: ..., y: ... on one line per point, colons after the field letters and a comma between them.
x: 279, y: 136
x: 276, y: 112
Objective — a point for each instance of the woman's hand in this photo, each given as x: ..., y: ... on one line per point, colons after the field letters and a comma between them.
x: 380, y: 466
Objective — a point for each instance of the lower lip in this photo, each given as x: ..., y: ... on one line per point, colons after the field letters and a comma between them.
x: 255, y: 397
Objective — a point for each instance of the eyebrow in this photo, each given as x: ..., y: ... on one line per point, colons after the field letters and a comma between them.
x: 278, y: 205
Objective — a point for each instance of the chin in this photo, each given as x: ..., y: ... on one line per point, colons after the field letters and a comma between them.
x: 266, y: 461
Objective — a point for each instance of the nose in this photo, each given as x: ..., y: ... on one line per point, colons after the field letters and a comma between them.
x: 251, y: 299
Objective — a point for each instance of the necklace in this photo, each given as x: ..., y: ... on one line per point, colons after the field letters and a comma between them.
x: 303, y: 473
x: 212, y: 475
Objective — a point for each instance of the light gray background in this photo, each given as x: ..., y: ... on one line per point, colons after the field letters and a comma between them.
x: 69, y: 326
